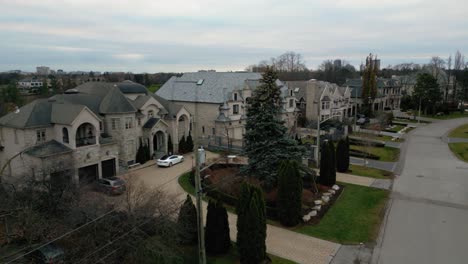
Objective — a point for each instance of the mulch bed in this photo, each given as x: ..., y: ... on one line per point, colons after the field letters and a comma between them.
x: 325, y: 207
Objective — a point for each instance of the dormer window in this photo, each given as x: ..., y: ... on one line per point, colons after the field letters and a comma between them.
x: 235, y: 96
x: 291, y: 92
x: 150, y: 114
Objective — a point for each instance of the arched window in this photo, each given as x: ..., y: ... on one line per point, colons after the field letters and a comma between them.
x: 65, y: 135
x: 150, y: 114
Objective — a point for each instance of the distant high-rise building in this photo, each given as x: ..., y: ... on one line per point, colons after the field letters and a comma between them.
x: 337, y: 63
x: 42, y: 70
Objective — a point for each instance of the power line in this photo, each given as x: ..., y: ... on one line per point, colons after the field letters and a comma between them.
x: 64, y: 235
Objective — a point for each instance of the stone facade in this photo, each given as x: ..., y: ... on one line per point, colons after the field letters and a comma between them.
x: 97, y: 139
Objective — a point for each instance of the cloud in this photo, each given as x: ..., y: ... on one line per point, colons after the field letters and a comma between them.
x: 179, y: 35
x: 128, y: 56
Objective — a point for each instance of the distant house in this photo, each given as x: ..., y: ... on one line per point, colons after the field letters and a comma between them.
x: 97, y: 126
x: 334, y: 101
x: 221, y: 99
x: 388, y: 94
x: 30, y: 86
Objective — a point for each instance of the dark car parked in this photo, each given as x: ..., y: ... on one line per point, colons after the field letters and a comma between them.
x: 112, y: 185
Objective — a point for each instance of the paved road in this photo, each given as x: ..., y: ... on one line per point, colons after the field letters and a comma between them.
x: 427, y: 217
x: 280, y: 242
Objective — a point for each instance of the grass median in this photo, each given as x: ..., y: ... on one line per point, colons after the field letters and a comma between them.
x: 460, y: 150
x: 460, y: 132
x: 385, y: 153
x: 369, y: 172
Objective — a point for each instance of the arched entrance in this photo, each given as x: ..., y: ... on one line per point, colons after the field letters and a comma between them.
x: 159, y: 144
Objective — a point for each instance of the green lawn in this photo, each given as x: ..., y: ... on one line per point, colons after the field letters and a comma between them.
x: 385, y: 153
x: 396, y: 128
x: 450, y: 116
x: 369, y: 172
x: 354, y: 218
x: 375, y: 137
x: 460, y: 132
x: 185, y: 183
x: 154, y: 87
x: 460, y: 150
x: 410, y: 121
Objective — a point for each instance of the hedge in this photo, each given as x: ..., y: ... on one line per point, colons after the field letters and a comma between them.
x: 367, y: 142
x: 362, y: 154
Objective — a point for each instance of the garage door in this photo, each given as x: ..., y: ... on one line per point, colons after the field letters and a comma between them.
x: 108, y: 168
x: 88, y: 174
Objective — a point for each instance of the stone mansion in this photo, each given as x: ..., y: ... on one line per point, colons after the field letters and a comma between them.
x: 91, y: 131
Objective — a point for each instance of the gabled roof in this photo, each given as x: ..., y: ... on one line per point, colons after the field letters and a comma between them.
x: 115, y: 102
x: 171, y: 108
x: 47, y: 149
x: 205, y: 87
x: 65, y: 113
x: 151, y: 122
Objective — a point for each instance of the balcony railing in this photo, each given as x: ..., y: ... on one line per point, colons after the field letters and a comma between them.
x: 85, y: 141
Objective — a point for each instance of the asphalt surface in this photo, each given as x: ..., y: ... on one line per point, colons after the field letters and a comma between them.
x: 427, y: 216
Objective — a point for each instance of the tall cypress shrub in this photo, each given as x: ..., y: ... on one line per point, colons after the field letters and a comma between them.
x: 170, y: 146
x: 189, y: 144
x: 217, y: 236
x: 332, y: 175
x: 347, y: 158
x: 325, y: 164
x: 182, y: 145
x: 251, y: 225
x: 187, y: 222
x: 341, y: 153
x: 289, y: 194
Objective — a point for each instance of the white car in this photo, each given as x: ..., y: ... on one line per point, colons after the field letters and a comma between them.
x: 168, y: 161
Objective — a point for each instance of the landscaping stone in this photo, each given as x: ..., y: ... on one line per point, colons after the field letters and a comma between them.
x: 336, y: 187
x: 306, y: 218
x: 317, y: 207
x: 318, y: 202
x: 326, y: 198
x: 328, y: 194
x: 332, y: 191
x: 312, y: 213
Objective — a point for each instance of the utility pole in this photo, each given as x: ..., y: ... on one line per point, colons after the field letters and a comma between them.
x: 198, y: 188
x: 355, y: 109
x: 318, y: 132
x: 419, y: 118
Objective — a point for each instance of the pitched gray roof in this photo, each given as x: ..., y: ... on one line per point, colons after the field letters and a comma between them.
x: 129, y: 87
x: 34, y: 114
x: 140, y: 101
x: 48, y: 148
x: 115, y: 102
x: 151, y: 122
x: 101, y: 98
x: 205, y: 87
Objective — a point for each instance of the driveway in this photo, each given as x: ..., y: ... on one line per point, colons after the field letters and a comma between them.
x: 280, y: 242
x: 427, y: 218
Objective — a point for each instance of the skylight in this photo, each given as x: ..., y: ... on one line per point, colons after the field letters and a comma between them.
x: 200, y: 82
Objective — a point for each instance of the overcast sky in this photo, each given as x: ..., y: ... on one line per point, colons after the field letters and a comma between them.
x: 188, y: 35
